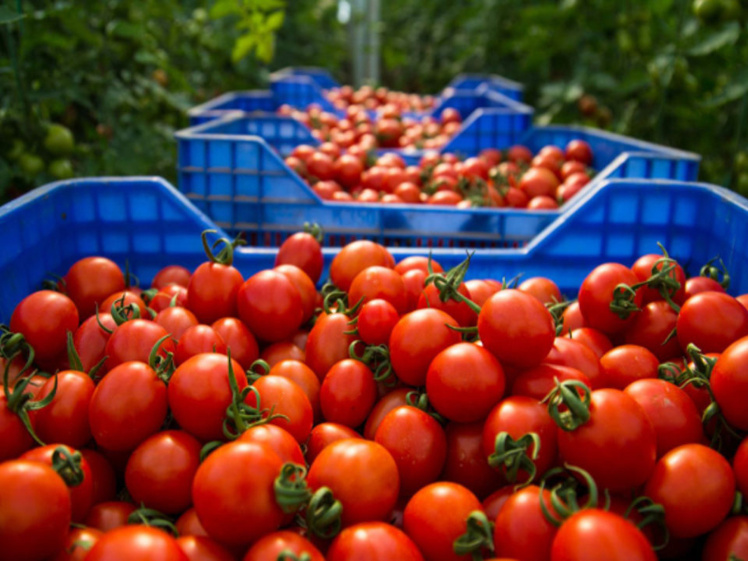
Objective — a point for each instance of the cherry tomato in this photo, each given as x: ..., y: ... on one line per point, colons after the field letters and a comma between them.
x: 65, y: 419
x: 594, y: 339
x: 304, y: 251
x: 729, y: 381
x: 354, y: 258
x: 539, y: 381
x: 109, y: 515
x: 580, y: 151
x: 212, y: 292
x: 78, y: 542
x: 297, y: 371
x: 711, y: 321
x: 652, y: 327
x: 270, y: 305
x: 625, y: 364
x: 568, y: 352
x: 269, y: 547
x: 377, y: 282
x: 202, y: 548
x: 239, y: 340
x: 279, y: 440
x: 134, y: 340
x: 176, y: 320
x: 324, y: 434
x: 198, y: 339
x: 90, y: 280
x: 328, y: 343
x: 596, y: 294
x: 171, y: 274
x: 102, y: 474
x: 373, y: 541
x: 136, y: 542
x: 521, y: 530
x: 283, y: 396
x: 729, y: 539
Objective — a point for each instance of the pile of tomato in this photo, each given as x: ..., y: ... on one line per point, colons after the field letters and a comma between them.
x: 375, y: 98
x: 514, y: 178
x: 397, y: 412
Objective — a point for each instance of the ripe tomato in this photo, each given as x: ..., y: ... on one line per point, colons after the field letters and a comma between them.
x: 44, y: 318
x: 539, y: 181
x: 176, y: 320
x: 521, y: 530
x: 304, y: 251
x: 279, y: 440
x: 646, y: 266
x: 697, y: 285
x: 596, y: 294
x: 171, y: 274
x: 617, y: 445
x: 65, y: 419
x: 568, y: 352
x: 211, y: 293
x: 203, y: 548
x: 134, y: 340
x: 544, y: 289
x: 103, y: 478
x: 90, y: 280
x: 572, y: 318
x: 625, y: 364
x: 198, y: 339
x: 127, y: 406
x: 222, y: 484
x: 283, y: 396
x: 652, y: 327
x: 348, y: 170
x: 379, y: 282
x: 35, y: 514
x: 297, y: 371
x: 460, y: 311
x: 270, y: 547
x: 466, y: 464
x: 539, y: 381
x: 518, y: 153
x: 711, y: 321
x: 160, y: 470
x: 729, y: 539
x: 109, y: 515
x: 328, y: 343
x: 729, y: 381
x: 77, y: 544
x: 692, y: 510
x: 324, y: 434
x: 239, y: 340
x: 188, y: 524
x: 594, y: 533
x: 740, y: 466
x: 465, y: 398
x: 417, y: 443
x: 136, y: 542
x: 199, y: 393
x: 354, y: 258
x: 436, y: 516
x: 580, y: 151
x: 376, y: 320
x: 362, y: 475
x: 594, y: 339
x: 122, y: 299
x: 516, y: 328
x: 270, y: 305
x: 348, y: 393
x: 373, y: 541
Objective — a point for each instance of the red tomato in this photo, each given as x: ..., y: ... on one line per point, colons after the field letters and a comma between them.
x: 673, y: 414
x: 729, y: 539
x: 652, y: 327
x: 348, y: 393
x: 518, y: 153
x: 78, y: 542
x: 270, y: 547
x: 171, y: 274
x: 596, y: 294
x: 539, y: 381
x: 379, y: 282
x: 239, y: 340
x: 697, y: 285
x: 134, y: 340
x: 90, y: 280
x: 594, y: 533
x: 521, y: 530
x: 464, y: 398
x: 740, y: 466
x: 362, y: 476
x: 580, y: 151
x: 128, y: 406
x: 354, y: 258
x: 729, y: 381
x: 196, y: 340
x: 542, y: 288
x: 109, y: 515
x: 270, y: 305
x: 297, y: 371
x: 594, y: 339
x: 328, y: 343
x: 304, y: 251
x: 222, y: 484
x: 646, y: 266
x: 65, y: 419
x: 539, y: 181
x: 711, y: 321
x: 617, y: 445
x: 324, y: 434
x: 284, y: 397
x: 305, y: 286
x: 373, y: 541
x: 376, y: 320
x: 625, y: 364
x: 189, y: 524
x: 460, y: 311
x: 160, y: 471
x: 466, y: 464
x: 136, y: 542
x: 176, y: 320
x: 211, y: 293
x: 203, y: 548
x: 568, y: 352
x: 436, y: 516
x: 122, y: 299
x: 164, y: 298
x: 103, y: 477
x: 516, y: 328
x: 35, y: 510
x: 44, y: 318
x: 692, y: 510
x: 417, y: 443
x: 279, y: 440
x: 572, y: 318
x: 321, y: 166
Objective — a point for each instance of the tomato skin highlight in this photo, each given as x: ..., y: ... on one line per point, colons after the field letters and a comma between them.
x: 373, y: 541
x: 136, y: 542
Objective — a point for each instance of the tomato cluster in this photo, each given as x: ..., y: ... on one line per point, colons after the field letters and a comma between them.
x: 399, y: 412
x: 375, y: 98
x: 515, y: 178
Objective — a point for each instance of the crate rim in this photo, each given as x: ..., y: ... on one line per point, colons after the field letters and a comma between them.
x: 491, y: 76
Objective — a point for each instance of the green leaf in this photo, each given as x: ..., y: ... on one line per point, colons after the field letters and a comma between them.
x: 274, y: 21
x: 659, y: 6
x: 266, y: 47
x: 736, y: 89
x: 224, y: 8
x: 268, y: 5
x: 243, y: 46
x: 728, y: 35
x: 8, y: 16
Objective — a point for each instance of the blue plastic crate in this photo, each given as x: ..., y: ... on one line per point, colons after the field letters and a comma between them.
x: 145, y: 222
x: 232, y: 169
x: 319, y: 76
x: 499, y: 84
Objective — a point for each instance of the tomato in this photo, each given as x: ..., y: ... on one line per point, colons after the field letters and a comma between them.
x: 580, y: 151
x: 224, y: 482
x: 571, y: 167
x: 320, y: 166
x: 348, y: 170
x: 90, y: 280
x: 270, y: 305
x: 444, y: 197
x: 212, y: 291
x: 729, y: 539
x: 492, y: 503
x: 697, y: 285
x: 127, y: 406
x: 692, y: 510
x: 65, y: 419
x: 379, y: 282
x: 740, y: 466
x: 324, y: 434
x: 348, y: 393
x: 460, y: 311
x: 171, y: 274
x: 44, y: 318
x: 518, y: 153
x: 464, y: 398
x: 594, y: 533
x: 516, y: 328
x: 188, y: 524
x: 78, y: 542
x: 354, y: 258
x: 617, y: 445
x: 382, y: 407
x: 480, y: 290
x: 376, y: 320
x: 539, y: 181
x: 160, y: 470
x: 202, y: 548
x: 652, y: 327
x: 109, y: 515
x: 176, y: 320
x: 196, y: 340
x: 436, y: 516
x: 417, y: 443
x: 81, y: 495
x: 518, y: 416
x: 282, y: 396
x: 136, y: 542
x: 465, y: 463
x: 596, y: 294
x: 35, y: 513
x: 414, y: 284
x: 673, y: 414
x: 568, y: 352
x: 284, y: 350
x: 539, y: 381
x: 373, y: 541
x: 134, y: 340
x: 594, y: 339
x: 239, y: 340
x: 306, y: 379
x: 103, y: 478
x: 408, y: 192
x: 711, y: 321
x: 520, y: 528
x: 269, y: 547
x: 123, y: 299
x: 199, y: 393
x: 279, y: 440
x: 646, y: 266
x: 362, y: 475
x: 729, y: 381
x: 168, y: 294
x: 542, y: 288
x: 625, y: 364
x: 303, y: 250
x: 328, y: 343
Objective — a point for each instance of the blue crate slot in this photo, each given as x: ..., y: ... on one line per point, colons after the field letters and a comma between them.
x: 146, y: 223
x: 232, y: 102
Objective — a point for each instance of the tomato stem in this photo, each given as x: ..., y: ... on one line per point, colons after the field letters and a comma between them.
x: 257, y: 370
x: 448, y: 283
x: 420, y: 400
x: 578, y: 408
x: 323, y: 514
x: 68, y: 466
x: 291, y: 489
x: 477, y: 538
x: 512, y: 455
x: 713, y: 272
x: 314, y: 230
x: 652, y: 514
x: 153, y: 518
x: 74, y: 359
x: 288, y: 555
x: 377, y: 358
x: 226, y: 255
